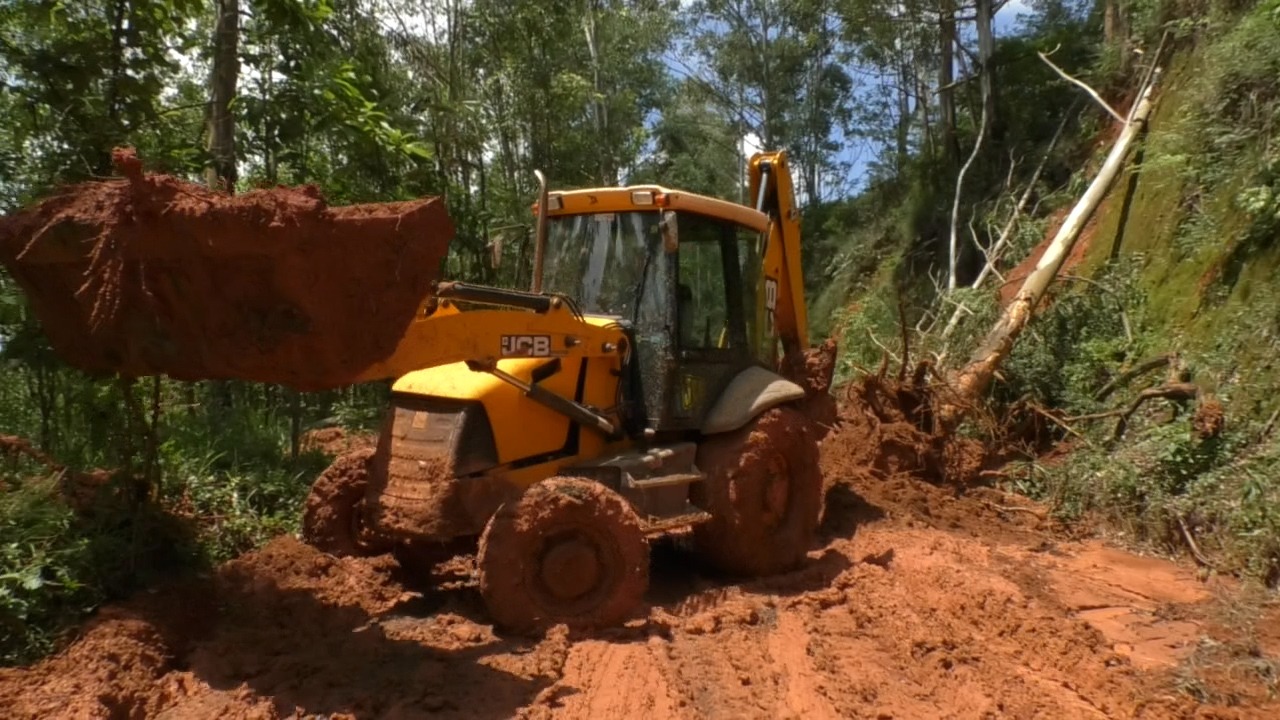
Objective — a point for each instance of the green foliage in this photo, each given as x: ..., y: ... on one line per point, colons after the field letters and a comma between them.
x: 57, y: 564
x: 225, y: 483
x: 1076, y: 342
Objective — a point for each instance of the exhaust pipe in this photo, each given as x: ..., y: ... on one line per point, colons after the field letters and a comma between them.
x: 540, y: 235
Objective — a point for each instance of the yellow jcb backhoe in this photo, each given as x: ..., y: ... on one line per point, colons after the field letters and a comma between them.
x: 633, y: 391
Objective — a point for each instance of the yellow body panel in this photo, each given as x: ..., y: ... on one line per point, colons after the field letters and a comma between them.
x: 594, y: 200
x: 523, y: 428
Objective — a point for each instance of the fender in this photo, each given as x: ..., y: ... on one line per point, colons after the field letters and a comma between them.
x: 750, y: 393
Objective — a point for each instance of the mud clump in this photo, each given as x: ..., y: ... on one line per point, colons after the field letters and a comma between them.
x: 333, y: 515
x: 814, y: 370
x: 888, y: 429
x: 335, y: 441
x: 149, y: 274
x: 1209, y: 419
x: 78, y: 489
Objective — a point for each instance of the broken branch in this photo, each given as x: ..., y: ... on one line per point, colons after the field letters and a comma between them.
x: 955, y: 204
x: 1178, y: 392
x: 1191, y: 543
x: 1080, y: 83
x: 1060, y: 422
x: 1129, y: 375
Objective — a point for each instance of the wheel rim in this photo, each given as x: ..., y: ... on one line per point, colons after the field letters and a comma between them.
x: 570, y: 567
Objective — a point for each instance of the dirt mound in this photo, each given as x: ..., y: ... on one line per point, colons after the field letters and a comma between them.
x: 888, y: 429
x: 148, y: 274
x: 79, y: 489
x: 336, y: 441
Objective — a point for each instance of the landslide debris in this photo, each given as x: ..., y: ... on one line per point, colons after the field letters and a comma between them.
x: 148, y: 274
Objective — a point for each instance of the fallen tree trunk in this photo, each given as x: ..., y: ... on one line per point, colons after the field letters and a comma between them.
x: 970, y: 383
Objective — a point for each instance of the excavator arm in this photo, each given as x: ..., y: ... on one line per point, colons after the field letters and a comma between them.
x: 785, y: 311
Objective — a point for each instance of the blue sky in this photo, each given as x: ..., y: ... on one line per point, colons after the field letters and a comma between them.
x: 858, y: 155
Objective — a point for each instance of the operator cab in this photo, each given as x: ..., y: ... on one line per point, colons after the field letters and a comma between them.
x: 682, y: 272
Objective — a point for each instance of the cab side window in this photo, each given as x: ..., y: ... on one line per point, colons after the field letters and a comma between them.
x: 702, y: 311
x: 710, y: 291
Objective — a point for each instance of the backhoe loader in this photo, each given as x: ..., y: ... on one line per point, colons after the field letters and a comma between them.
x: 655, y: 379
x: 633, y: 391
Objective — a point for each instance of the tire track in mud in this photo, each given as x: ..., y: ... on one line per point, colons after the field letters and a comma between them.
x: 611, y: 680
x: 805, y: 686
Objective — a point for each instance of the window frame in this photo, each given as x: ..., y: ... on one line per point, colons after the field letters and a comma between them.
x: 732, y: 247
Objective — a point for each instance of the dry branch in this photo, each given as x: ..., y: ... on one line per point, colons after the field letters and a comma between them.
x: 1191, y: 543
x: 1084, y: 86
x: 955, y: 203
x: 1271, y: 423
x: 1129, y: 375
x: 1060, y: 422
x: 1173, y: 391
x: 971, y: 382
x: 1006, y: 233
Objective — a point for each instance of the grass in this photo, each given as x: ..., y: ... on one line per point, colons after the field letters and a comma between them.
x: 226, y: 483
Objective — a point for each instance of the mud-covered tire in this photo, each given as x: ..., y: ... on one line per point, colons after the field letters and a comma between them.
x: 332, y: 518
x: 529, y: 546
x: 763, y: 489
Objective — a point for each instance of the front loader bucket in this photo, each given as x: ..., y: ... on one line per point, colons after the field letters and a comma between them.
x: 148, y: 275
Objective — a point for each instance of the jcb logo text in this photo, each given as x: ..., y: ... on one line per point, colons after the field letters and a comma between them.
x: 526, y: 345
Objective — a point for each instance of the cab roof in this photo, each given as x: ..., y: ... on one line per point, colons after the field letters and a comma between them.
x: 651, y: 197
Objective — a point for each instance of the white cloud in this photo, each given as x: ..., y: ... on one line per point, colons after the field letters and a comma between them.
x: 1013, y: 9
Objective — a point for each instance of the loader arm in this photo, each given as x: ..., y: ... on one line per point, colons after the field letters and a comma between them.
x: 482, y: 338
x: 783, y: 297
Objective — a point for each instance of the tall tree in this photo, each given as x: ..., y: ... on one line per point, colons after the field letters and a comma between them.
x: 221, y: 133
x: 779, y: 67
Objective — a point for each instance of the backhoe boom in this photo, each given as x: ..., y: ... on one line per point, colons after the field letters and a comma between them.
x: 772, y: 192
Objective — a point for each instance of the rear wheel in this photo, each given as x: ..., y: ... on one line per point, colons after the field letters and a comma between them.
x: 763, y: 489
x: 333, y: 518
x: 568, y: 551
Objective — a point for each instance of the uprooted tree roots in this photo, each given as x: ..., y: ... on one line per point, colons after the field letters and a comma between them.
x: 891, y: 427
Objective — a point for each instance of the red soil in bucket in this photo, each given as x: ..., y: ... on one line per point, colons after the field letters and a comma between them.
x: 149, y: 274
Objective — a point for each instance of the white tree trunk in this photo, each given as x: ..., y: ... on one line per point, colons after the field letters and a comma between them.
x: 970, y: 383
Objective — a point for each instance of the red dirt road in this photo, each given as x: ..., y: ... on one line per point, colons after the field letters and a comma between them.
x: 921, y: 603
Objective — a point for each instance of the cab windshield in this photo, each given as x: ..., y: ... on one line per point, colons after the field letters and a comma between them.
x: 610, y: 263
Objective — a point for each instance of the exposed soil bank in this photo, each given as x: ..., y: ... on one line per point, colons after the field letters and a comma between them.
x: 149, y: 274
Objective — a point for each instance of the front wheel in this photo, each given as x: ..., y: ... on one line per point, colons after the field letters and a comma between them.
x: 333, y: 518
x: 568, y: 551
x: 763, y: 489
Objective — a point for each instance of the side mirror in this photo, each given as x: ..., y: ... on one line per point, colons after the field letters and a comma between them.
x: 670, y: 232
